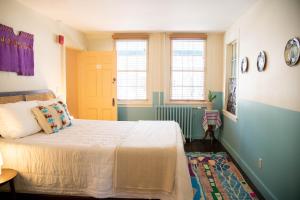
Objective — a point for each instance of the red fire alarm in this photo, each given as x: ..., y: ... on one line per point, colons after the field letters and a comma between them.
x: 61, y: 39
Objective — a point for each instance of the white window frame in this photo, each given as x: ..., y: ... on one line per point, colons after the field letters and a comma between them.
x: 228, y: 68
x: 135, y: 102
x: 169, y: 99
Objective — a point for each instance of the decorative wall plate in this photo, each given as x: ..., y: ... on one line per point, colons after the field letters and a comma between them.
x: 292, y: 52
x: 244, y: 65
x: 261, y: 61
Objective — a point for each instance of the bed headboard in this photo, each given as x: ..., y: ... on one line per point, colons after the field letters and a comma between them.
x: 12, y: 97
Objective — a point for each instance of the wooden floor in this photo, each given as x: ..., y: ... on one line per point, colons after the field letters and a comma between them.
x: 204, y: 146
x: 194, y: 146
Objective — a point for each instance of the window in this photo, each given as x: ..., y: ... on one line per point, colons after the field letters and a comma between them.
x: 231, y: 78
x: 187, y: 70
x: 131, y: 69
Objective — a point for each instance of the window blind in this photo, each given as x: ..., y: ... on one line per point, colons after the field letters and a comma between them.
x: 131, y: 69
x: 187, y: 69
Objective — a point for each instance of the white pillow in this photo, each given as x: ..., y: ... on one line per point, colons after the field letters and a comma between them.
x: 17, y: 120
x: 48, y: 102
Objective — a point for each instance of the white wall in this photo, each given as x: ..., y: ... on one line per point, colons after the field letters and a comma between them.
x: 214, y: 62
x: 100, y: 41
x: 48, y: 55
x: 159, y: 58
x: 267, y: 26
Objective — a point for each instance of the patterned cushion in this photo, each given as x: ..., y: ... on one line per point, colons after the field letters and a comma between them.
x: 53, y: 117
x: 64, y: 114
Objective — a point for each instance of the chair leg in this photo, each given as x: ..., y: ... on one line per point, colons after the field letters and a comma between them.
x: 206, y: 133
x: 212, y: 136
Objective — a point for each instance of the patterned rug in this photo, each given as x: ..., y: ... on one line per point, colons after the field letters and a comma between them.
x: 215, y: 177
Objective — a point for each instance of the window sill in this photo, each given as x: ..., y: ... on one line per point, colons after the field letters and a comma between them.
x: 230, y: 115
x: 133, y: 103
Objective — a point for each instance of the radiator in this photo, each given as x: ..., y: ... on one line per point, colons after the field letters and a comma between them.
x: 183, y: 115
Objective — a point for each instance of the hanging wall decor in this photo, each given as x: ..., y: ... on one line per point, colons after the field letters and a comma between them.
x: 292, y: 52
x: 231, y: 100
x: 244, y: 65
x: 261, y: 61
x: 16, y: 52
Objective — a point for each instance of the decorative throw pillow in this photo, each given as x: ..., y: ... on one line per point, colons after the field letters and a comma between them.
x: 52, y: 117
x: 16, y: 119
x: 64, y: 115
x: 48, y: 118
x: 57, y: 100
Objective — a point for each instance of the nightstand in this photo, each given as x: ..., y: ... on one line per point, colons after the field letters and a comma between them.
x: 8, y: 176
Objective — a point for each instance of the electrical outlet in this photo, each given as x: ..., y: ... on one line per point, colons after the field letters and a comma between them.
x: 259, y: 163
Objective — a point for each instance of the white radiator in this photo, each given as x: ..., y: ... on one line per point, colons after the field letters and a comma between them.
x: 183, y: 115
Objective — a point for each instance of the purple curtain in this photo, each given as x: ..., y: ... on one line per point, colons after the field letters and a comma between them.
x: 16, y: 52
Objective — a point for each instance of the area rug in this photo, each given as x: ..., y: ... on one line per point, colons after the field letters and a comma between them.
x: 215, y: 177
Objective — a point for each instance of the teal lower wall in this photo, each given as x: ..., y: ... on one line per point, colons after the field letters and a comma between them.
x: 135, y: 113
x: 270, y: 133
x: 148, y: 113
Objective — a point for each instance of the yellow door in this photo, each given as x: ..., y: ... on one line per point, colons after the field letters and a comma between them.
x: 72, y: 80
x: 97, y: 85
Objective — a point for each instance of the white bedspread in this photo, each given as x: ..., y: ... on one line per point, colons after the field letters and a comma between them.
x: 79, y: 160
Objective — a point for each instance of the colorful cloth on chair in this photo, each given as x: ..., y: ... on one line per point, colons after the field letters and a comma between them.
x: 211, y: 117
x: 16, y: 52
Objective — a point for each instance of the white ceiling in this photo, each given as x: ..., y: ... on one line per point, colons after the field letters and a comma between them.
x: 143, y: 15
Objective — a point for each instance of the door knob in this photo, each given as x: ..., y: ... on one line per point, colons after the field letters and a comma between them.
x: 113, y: 102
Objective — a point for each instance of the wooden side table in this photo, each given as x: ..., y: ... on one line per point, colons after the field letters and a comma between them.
x: 8, y: 176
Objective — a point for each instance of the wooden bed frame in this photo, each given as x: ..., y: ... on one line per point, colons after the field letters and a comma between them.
x: 12, y: 97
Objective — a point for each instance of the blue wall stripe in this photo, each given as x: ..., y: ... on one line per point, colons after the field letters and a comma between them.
x: 155, y: 99
x: 161, y: 98
x: 270, y: 133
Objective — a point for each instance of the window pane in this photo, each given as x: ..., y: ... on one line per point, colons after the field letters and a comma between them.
x: 177, y: 62
x: 198, y: 63
x: 188, y: 69
x: 176, y: 78
x: 198, y: 79
x: 231, y: 93
x: 187, y: 93
x: 132, y: 69
x: 234, y: 51
x: 141, y: 79
x: 176, y: 92
x: 233, y: 68
x: 187, y: 79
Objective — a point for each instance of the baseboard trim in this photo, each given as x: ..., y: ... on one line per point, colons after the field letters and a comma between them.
x: 250, y: 173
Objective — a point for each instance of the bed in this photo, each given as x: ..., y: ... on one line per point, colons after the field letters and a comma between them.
x: 100, y: 158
